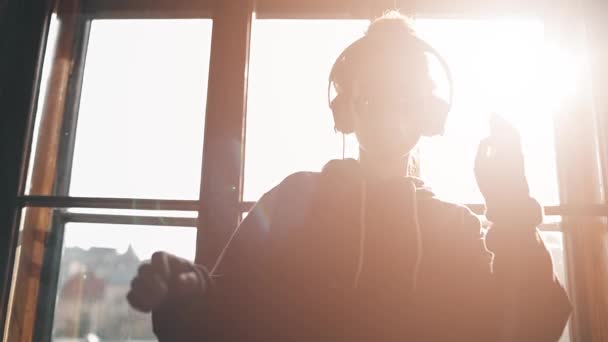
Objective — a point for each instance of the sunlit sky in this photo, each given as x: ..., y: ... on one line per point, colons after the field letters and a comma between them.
x: 141, y: 121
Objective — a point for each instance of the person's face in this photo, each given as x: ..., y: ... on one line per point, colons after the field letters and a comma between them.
x: 386, y: 108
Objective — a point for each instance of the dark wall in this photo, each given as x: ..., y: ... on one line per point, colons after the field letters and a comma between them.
x: 22, y: 23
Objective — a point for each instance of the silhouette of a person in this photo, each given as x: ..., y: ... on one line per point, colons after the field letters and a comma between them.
x: 363, y: 252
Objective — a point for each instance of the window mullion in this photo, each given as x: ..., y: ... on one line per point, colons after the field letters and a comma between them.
x: 138, y: 220
x: 223, y: 147
x: 23, y: 316
x: 67, y: 139
x: 51, y: 263
x: 107, y: 203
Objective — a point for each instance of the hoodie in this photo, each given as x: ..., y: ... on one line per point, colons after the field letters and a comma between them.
x: 327, y: 256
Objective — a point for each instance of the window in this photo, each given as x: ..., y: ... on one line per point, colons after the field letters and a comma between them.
x: 140, y: 121
x: 95, y: 274
x: 132, y: 133
x: 139, y: 134
x: 131, y: 96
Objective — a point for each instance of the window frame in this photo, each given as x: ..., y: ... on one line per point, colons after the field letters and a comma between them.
x: 220, y: 202
x: 43, y: 326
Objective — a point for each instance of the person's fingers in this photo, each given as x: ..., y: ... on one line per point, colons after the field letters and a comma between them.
x: 148, y: 281
x: 178, y: 265
x: 151, y: 284
x: 188, y: 283
x: 509, y: 156
x: 142, y: 301
x: 137, y: 302
x: 160, y: 263
x: 483, y: 153
x: 147, y: 292
x: 145, y: 270
x: 506, y: 138
x: 139, y: 299
x: 168, y: 265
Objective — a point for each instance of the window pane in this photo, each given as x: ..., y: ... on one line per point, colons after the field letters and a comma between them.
x: 97, y: 265
x: 140, y: 123
x: 289, y: 125
x: 496, y: 65
x: 85, y: 270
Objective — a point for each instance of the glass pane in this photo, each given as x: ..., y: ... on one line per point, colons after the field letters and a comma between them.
x: 97, y: 264
x: 496, y: 65
x: 141, y: 117
x: 289, y: 125
x: 74, y: 276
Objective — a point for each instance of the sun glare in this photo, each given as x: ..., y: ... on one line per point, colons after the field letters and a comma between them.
x: 501, y: 66
x: 497, y: 67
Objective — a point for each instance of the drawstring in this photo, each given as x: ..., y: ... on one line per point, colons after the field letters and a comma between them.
x: 363, y: 228
x: 414, y: 201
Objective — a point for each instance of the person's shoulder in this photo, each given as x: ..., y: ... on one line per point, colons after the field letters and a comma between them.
x: 298, y: 183
x: 335, y: 170
x: 296, y: 188
x: 300, y: 178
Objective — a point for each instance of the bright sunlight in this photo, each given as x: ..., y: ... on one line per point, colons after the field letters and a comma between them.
x: 155, y: 151
x: 501, y: 66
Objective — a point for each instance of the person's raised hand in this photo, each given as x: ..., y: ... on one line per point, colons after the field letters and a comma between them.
x: 163, y: 275
x: 499, y: 165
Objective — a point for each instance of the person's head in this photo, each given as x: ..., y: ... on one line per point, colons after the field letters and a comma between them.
x: 384, y: 89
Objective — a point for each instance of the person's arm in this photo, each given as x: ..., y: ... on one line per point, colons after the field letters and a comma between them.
x: 203, y: 312
x: 185, y: 314
x: 228, y: 307
x: 531, y: 304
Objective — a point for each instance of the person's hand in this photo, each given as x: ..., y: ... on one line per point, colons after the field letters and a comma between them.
x: 163, y: 275
x: 499, y: 165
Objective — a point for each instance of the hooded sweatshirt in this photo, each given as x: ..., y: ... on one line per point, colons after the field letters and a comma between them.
x: 329, y: 256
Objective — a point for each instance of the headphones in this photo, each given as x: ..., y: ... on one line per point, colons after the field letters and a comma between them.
x: 432, y: 111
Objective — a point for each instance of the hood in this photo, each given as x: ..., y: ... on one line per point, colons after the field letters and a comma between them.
x: 349, y: 170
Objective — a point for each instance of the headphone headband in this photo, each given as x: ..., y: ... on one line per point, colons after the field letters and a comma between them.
x: 424, y: 46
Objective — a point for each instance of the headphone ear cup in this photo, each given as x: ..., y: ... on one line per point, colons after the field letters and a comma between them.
x: 343, y: 115
x: 434, y: 116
